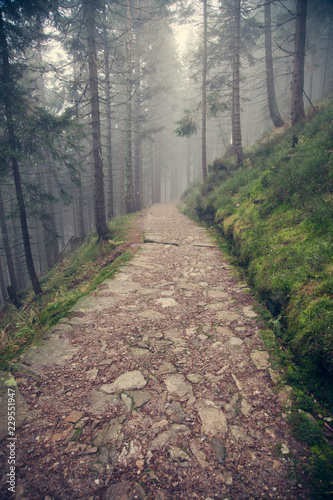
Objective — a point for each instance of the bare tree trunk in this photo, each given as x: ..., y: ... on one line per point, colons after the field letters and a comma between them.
x: 80, y: 217
x: 2, y: 284
x: 138, y: 195
x: 297, y: 83
x: 14, y: 163
x: 6, y: 244
x: 236, y: 123
x: 128, y: 172
x: 103, y: 231
x: 272, y: 104
x: 204, y: 96
x: 110, y: 209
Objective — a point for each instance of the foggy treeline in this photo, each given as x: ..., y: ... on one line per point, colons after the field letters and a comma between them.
x: 107, y: 107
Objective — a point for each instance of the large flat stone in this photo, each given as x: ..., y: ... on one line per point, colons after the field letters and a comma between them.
x: 100, y: 402
x: 151, y: 314
x: 53, y: 351
x: 91, y: 303
x: 228, y: 316
x: 177, y: 385
x: 126, y: 381
x: 213, y: 421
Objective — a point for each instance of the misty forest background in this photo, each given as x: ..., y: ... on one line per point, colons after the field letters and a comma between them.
x: 107, y: 107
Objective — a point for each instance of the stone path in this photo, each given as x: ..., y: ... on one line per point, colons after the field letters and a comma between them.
x: 158, y: 388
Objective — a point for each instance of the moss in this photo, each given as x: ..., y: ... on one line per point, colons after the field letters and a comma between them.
x: 276, y: 217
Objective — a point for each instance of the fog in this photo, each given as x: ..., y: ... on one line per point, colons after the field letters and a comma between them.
x: 103, y: 109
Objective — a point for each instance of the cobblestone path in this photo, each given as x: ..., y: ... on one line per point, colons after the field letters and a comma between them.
x: 159, y: 387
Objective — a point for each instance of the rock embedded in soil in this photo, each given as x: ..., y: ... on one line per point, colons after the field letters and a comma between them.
x: 260, y: 359
x: 219, y: 449
x: 126, y: 381
x: 213, y: 421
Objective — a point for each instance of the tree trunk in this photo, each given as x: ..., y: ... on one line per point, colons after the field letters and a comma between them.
x: 2, y: 285
x: 188, y: 162
x: 14, y: 163
x: 204, y: 96
x: 103, y: 231
x: 110, y: 210
x: 80, y: 217
x: 6, y: 244
x: 138, y: 195
x: 236, y: 123
x: 297, y: 83
x: 128, y: 171
x: 272, y: 104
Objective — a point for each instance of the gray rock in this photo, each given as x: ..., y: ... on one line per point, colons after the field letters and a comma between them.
x: 53, y: 351
x: 162, y: 440
x: 248, y: 312
x: 260, y: 359
x: 195, y: 378
x: 199, y: 455
x: 238, y: 433
x: 177, y: 386
x: 167, y: 302
x: 176, y: 413
x: 219, y: 450
x: 180, y: 429
x: 100, y: 401
x: 103, y: 455
x: 166, y: 368
x: 139, y: 398
x: 138, y: 352
x: 227, y: 316
x: 151, y: 314
x: 127, y: 401
x: 227, y: 478
x: 110, y: 433
x: 177, y: 454
x: 246, y: 408
x: 126, y: 381
x: 235, y: 342
x: 213, y: 421
x: 94, y: 303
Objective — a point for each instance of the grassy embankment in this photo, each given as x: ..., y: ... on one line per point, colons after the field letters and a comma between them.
x: 276, y: 214
x: 78, y: 273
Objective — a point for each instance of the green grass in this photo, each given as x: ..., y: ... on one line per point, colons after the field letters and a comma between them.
x: 275, y: 215
x: 77, y: 274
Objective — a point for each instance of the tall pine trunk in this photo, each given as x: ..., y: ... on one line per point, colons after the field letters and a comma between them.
x: 297, y: 82
x: 236, y: 123
x: 204, y: 96
x: 272, y: 104
x: 6, y: 244
x: 128, y: 170
x: 8, y: 97
x: 79, y: 206
x: 103, y: 231
x: 109, y: 163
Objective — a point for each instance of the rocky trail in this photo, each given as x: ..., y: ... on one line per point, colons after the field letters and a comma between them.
x: 158, y: 387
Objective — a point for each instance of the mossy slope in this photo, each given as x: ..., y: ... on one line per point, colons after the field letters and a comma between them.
x: 277, y: 214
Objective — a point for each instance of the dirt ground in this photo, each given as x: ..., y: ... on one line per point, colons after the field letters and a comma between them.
x: 158, y: 387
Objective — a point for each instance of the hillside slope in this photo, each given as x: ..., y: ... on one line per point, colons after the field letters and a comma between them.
x: 276, y: 212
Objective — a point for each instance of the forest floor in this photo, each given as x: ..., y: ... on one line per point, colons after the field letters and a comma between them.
x: 157, y: 387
